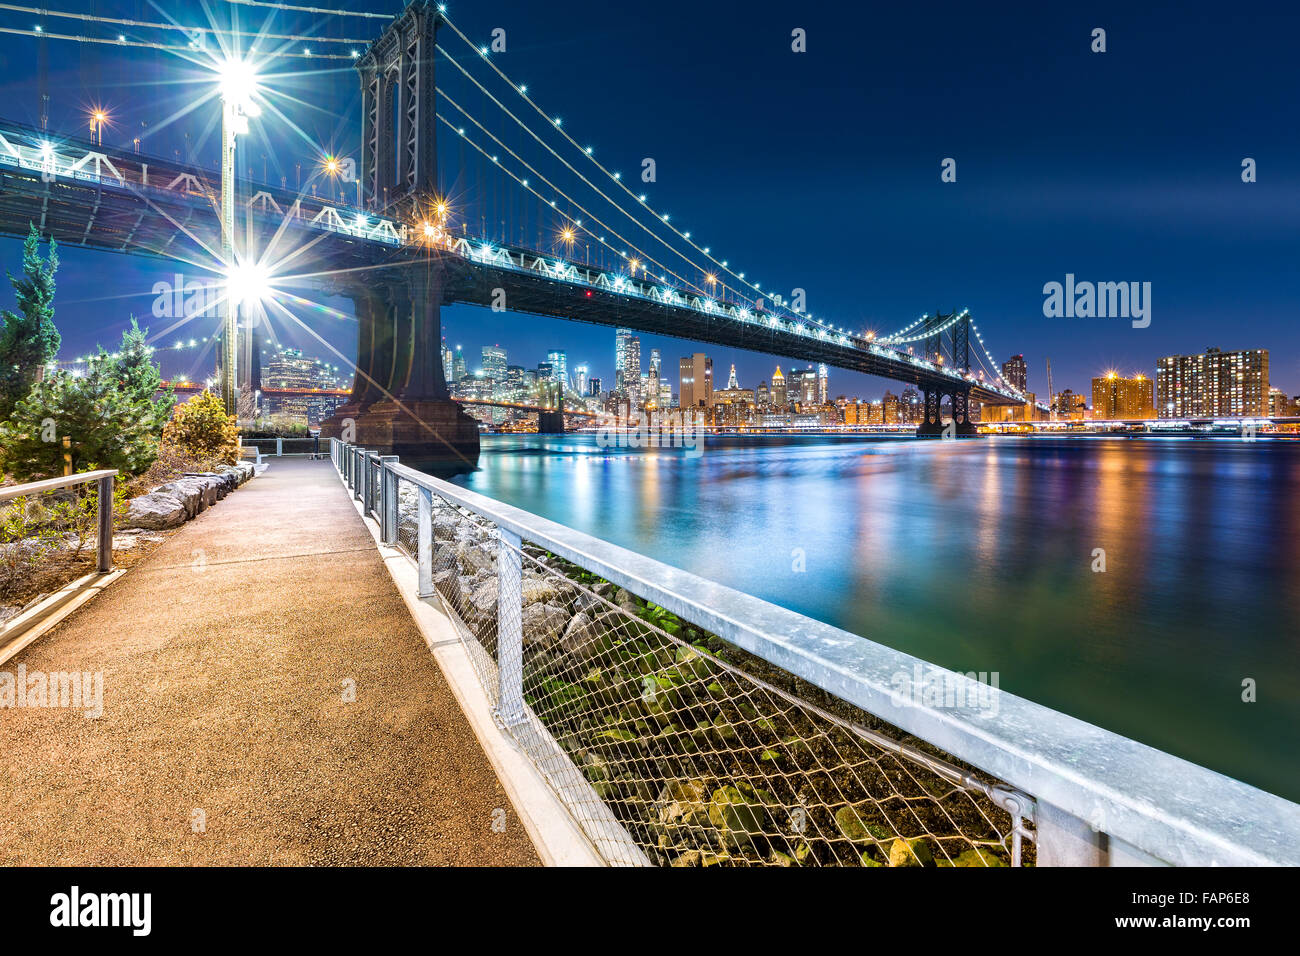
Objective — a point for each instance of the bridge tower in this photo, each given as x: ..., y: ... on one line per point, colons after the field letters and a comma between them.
x: 400, y: 403
x: 952, y: 330
x: 552, y: 422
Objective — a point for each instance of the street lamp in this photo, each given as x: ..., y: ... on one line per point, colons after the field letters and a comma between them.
x: 239, y: 86
x: 97, y: 120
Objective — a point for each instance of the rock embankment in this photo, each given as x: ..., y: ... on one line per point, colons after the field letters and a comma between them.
x: 701, y: 765
x: 172, y: 504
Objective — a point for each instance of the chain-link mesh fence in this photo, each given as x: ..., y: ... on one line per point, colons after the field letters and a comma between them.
x: 672, y: 747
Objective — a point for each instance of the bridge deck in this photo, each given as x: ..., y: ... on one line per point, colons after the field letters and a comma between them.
x: 223, y: 693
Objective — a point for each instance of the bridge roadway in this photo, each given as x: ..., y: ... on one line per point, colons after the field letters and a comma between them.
x: 93, y: 196
x: 223, y: 656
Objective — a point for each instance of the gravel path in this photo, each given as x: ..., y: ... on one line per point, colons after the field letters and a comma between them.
x: 225, y: 736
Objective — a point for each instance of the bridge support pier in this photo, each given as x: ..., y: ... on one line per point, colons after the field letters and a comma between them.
x: 932, y: 426
x: 400, y: 404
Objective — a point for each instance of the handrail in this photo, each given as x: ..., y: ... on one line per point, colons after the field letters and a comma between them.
x: 1152, y: 807
x: 104, y: 518
x: 9, y: 492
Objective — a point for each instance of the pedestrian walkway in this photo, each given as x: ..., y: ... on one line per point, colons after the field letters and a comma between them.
x: 229, y: 734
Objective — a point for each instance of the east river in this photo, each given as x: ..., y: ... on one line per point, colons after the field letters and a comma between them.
x: 979, y: 555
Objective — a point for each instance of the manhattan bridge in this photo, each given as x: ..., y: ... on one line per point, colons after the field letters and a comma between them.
x: 392, y: 241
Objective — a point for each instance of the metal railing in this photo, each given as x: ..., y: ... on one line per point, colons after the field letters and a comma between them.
x: 308, y: 446
x: 104, y: 513
x: 685, y: 723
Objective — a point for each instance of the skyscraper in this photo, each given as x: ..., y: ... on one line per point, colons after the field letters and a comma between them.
x: 621, y: 337
x: 559, y: 365
x: 823, y: 383
x: 1214, y: 385
x: 632, y: 370
x: 652, y: 380
x: 696, y: 381
x: 731, y: 379
x: 1016, y: 373
x: 779, y: 397
x: 458, y: 365
x: 494, y: 363
x: 581, y: 372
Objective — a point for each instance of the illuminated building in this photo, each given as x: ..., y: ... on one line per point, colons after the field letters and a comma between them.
x: 1214, y: 385
x: 1117, y: 398
x: 779, y: 397
x: 1016, y: 373
x: 695, y: 388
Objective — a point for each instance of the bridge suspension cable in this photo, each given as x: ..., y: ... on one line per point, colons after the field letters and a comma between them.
x: 586, y: 212
x: 296, y: 9
x: 524, y: 183
x: 176, y: 27
x: 122, y: 41
x: 662, y: 219
x: 524, y: 126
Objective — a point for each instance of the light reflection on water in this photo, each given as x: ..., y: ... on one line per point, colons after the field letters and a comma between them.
x: 978, y: 555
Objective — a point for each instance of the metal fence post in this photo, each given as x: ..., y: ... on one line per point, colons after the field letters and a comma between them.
x: 1062, y: 839
x: 424, y: 545
x: 279, y: 447
x: 105, y: 524
x: 510, y: 627
x: 387, y: 500
x: 359, y: 463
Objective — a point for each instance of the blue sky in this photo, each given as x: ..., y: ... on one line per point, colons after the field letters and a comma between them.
x: 821, y: 170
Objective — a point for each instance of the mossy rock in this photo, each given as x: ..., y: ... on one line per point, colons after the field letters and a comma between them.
x: 701, y: 858
x: 869, y: 860
x: 737, y: 813
x: 915, y: 852
x: 853, y: 822
x: 978, y: 856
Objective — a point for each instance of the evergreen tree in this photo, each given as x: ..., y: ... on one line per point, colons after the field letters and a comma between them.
x: 109, y: 416
x: 28, y: 339
x: 139, y: 379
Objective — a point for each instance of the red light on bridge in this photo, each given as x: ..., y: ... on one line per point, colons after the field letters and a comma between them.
x: 588, y: 293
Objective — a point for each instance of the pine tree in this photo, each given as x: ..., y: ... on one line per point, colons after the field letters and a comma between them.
x: 28, y: 339
x: 138, y: 377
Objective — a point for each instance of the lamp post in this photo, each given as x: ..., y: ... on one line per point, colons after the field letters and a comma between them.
x: 238, y: 84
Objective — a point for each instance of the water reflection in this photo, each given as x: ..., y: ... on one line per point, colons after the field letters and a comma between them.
x: 979, y: 555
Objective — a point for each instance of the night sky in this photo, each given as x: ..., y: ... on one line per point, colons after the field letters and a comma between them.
x: 817, y: 170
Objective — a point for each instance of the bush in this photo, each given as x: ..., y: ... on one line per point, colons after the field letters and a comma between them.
x: 201, y: 429
x: 106, y: 418
x: 104, y: 429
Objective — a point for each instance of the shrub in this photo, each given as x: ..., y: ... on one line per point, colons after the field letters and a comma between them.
x: 104, y: 429
x: 201, y: 429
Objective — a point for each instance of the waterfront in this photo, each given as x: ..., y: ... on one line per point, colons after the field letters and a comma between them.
x: 979, y: 555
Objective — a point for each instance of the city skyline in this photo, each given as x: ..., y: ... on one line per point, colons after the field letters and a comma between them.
x: 986, y: 241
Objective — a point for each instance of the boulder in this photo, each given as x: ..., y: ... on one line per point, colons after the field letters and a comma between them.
x: 196, y: 493
x: 580, y: 639
x: 473, y: 558
x: 543, y: 623
x: 539, y: 590
x: 911, y: 852
x: 737, y: 814
x: 156, y: 511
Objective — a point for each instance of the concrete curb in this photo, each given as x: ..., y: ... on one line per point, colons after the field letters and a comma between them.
x: 558, y: 839
x: 37, y: 620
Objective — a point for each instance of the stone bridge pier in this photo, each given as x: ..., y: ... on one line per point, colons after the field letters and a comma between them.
x: 932, y: 426
x: 400, y: 404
